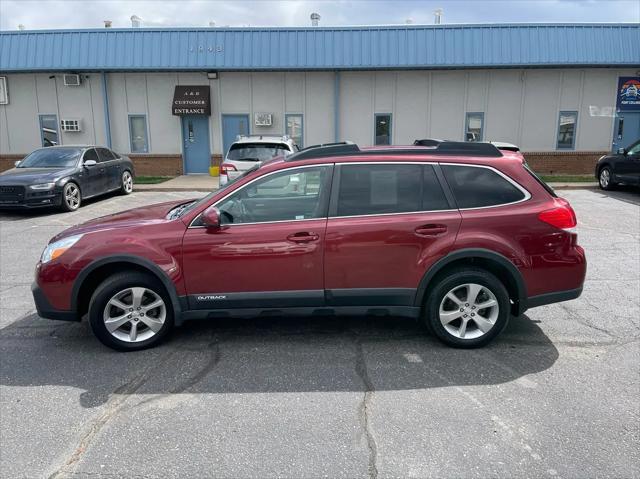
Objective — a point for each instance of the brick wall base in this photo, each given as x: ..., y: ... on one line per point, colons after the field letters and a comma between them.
x: 8, y: 161
x: 544, y: 162
x: 563, y: 162
x: 145, y: 165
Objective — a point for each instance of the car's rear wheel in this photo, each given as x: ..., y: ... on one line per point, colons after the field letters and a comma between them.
x: 605, y: 180
x: 467, y: 308
x: 130, y: 311
x: 126, y: 185
x: 71, y: 197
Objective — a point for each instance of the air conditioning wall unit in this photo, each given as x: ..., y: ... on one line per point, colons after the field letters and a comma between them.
x: 71, y: 125
x: 72, y: 79
x: 263, y: 119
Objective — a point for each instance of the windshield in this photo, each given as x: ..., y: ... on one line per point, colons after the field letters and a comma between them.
x: 182, y: 209
x: 51, y: 158
x: 256, y: 151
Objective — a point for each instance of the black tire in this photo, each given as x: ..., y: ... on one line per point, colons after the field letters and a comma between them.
x: 112, y: 286
x: 605, y: 179
x: 69, y: 190
x: 126, y: 183
x: 456, y: 278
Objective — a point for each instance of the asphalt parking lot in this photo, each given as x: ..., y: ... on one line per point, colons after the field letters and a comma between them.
x: 556, y: 396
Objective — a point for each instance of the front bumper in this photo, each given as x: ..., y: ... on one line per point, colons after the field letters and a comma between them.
x: 28, y: 200
x: 44, y: 308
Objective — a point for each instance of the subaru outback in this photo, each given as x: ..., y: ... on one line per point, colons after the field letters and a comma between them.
x: 459, y: 236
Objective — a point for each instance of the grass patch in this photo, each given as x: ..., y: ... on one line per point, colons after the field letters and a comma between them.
x: 567, y: 178
x: 151, y: 180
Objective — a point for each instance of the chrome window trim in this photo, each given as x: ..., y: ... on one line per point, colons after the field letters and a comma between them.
x: 525, y: 192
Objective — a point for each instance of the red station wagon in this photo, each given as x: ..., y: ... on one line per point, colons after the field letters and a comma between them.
x: 458, y: 235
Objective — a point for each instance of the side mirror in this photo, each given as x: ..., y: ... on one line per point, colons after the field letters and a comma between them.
x: 621, y: 151
x: 89, y: 163
x: 211, y: 217
x: 17, y: 163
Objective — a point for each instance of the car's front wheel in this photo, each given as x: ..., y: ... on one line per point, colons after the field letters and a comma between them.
x: 130, y: 311
x: 126, y: 185
x: 467, y: 308
x: 605, y: 180
x: 71, y: 197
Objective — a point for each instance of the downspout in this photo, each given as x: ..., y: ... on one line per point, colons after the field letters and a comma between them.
x: 105, y: 99
x: 336, y: 107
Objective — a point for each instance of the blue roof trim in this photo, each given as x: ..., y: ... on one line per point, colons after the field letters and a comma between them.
x: 323, y: 48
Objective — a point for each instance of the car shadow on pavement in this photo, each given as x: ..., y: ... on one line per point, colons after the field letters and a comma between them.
x: 341, y: 354
x: 628, y: 194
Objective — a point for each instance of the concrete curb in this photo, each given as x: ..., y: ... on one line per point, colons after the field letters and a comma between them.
x: 574, y: 186
x: 156, y: 188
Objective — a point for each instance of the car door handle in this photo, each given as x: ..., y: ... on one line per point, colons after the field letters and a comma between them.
x: 431, y: 230
x: 303, y: 237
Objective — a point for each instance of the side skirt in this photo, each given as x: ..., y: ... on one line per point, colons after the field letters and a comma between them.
x: 331, y: 311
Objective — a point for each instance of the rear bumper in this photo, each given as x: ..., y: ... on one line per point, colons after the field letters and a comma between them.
x: 555, y: 297
x: 44, y: 308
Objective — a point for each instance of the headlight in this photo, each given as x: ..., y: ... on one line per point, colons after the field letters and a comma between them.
x: 43, y: 186
x: 54, y: 250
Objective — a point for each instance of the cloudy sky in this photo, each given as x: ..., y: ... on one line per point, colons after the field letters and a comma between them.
x: 38, y: 14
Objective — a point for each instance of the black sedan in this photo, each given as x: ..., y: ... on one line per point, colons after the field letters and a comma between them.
x: 620, y: 167
x: 64, y: 176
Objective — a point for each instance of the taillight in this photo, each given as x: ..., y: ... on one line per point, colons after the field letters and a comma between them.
x: 562, y: 216
x: 225, y: 167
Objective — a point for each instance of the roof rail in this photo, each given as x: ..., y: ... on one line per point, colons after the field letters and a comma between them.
x: 343, y: 148
x: 442, y: 147
x: 427, y: 142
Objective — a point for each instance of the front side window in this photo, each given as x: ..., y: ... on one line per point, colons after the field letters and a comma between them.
x: 383, y: 129
x: 49, y: 130
x: 294, y: 129
x: 476, y: 187
x: 256, y: 151
x: 634, y: 150
x: 285, y: 196
x: 388, y: 188
x: 567, y: 130
x: 51, y: 158
x: 91, y: 154
x: 138, y: 134
x: 473, y: 126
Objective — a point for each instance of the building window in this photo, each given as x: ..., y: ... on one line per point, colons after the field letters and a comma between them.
x: 138, y: 133
x: 474, y: 125
x: 294, y: 126
x: 49, y: 130
x: 567, y: 130
x: 383, y: 129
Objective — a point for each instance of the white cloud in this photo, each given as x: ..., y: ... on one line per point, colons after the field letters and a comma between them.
x: 187, y: 13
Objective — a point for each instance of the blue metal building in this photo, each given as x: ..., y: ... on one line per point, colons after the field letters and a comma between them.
x: 563, y: 92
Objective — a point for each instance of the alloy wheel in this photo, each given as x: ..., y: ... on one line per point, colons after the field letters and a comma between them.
x: 127, y: 182
x: 72, y: 196
x: 605, y: 178
x: 469, y: 311
x: 135, y: 314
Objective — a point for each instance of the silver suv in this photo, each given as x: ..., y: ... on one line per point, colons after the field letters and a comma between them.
x: 249, y: 150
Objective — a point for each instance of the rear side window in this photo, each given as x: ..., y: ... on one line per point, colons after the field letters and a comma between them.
x: 105, y: 155
x: 386, y: 188
x: 477, y: 187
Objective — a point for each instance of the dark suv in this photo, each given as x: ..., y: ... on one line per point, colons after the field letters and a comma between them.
x: 460, y: 236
